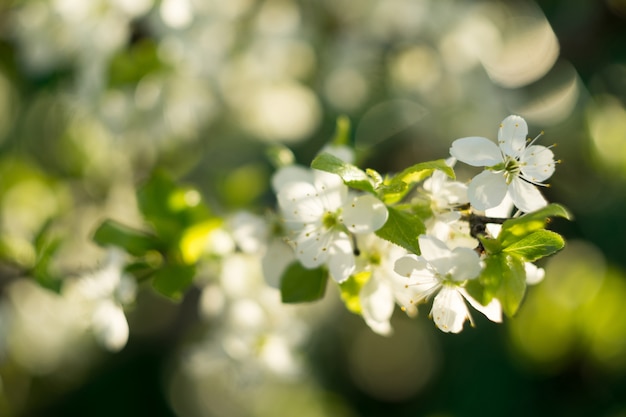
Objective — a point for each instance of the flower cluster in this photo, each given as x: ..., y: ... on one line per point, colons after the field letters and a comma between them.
x: 421, y: 234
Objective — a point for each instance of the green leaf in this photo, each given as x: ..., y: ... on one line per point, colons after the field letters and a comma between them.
x: 515, y: 229
x: 536, y: 245
x: 172, y: 280
x: 170, y: 208
x: 46, y: 247
x: 492, y: 246
x: 133, y: 241
x: 351, y: 175
x: 351, y: 290
x: 397, y: 186
x: 342, y: 131
x: 299, y: 284
x: 402, y: 229
x: 504, y: 278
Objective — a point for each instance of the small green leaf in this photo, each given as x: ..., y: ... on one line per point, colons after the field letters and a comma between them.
x: 351, y: 175
x: 133, y: 241
x: 402, y: 229
x: 172, y: 280
x: 504, y: 278
x: 513, y: 285
x: 492, y: 246
x: 514, y: 229
x: 396, y: 187
x: 351, y: 290
x: 299, y: 284
x: 536, y: 245
x: 342, y: 131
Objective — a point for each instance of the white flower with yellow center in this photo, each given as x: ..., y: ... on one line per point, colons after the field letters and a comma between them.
x: 512, y: 167
x: 443, y: 271
x: 321, y: 214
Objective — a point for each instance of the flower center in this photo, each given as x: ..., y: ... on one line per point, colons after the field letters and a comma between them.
x: 330, y: 220
x: 512, y: 169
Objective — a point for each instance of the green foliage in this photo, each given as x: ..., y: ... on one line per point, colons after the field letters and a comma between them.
x: 172, y: 280
x: 514, y: 229
x: 300, y: 285
x: 402, y: 229
x: 397, y: 186
x: 135, y: 242
x: 536, y: 245
x: 351, y: 290
x: 46, y: 247
x: 351, y: 175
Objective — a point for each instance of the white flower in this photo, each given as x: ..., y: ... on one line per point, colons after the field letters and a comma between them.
x: 321, y: 214
x: 443, y: 271
x: 512, y: 167
x: 104, y: 292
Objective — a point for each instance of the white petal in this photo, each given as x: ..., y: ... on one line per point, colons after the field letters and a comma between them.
x: 291, y: 173
x: 275, y: 260
x: 313, y: 245
x: 300, y: 204
x: 466, y: 264
x: 512, y: 135
x: 449, y: 311
x: 534, y: 274
x: 405, y: 265
x: 476, y: 151
x: 109, y: 325
x: 436, y: 253
x: 525, y: 196
x: 493, y: 310
x: 365, y: 214
x: 341, y: 258
x: 331, y: 190
x: 377, y: 305
x: 486, y: 190
x: 537, y: 163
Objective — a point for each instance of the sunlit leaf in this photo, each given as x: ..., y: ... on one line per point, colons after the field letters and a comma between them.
x: 194, y: 239
x: 536, y: 245
x: 504, y: 278
x: 397, y: 186
x: 514, y: 229
x: 351, y: 289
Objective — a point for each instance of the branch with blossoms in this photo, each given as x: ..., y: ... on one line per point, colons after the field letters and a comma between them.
x: 386, y: 240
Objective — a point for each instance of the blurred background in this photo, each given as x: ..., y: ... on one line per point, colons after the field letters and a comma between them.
x: 95, y: 95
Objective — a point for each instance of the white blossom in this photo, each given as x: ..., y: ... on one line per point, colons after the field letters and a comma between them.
x: 321, y: 214
x: 512, y: 167
x: 442, y: 271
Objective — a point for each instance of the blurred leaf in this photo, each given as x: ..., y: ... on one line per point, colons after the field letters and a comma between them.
x: 342, y: 131
x: 170, y: 208
x: 299, y: 284
x: 133, y: 241
x: 351, y: 175
x: 402, y: 229
x: 536, y: 245
x: 129, y: 66
x: 172, y: 280
x: 280, y: 156
x: 194, y: 239
x: 45, y: 249
x: 351, y: 289
x: 515, y: 229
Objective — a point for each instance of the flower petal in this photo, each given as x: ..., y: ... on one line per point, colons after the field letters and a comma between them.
x: 110, y: 326
x: 476, y: 151
x: 340, y: 257
x: 526, y: 197
x: 466, y: 264
x: 436, y: 253
x: 331, y: 190
x: 275, y: 261
x: 537, y: 163
x: 493, y: 310
x: 365, y: 214
x: 449, y: 311
x: 534, y: 274
x: 512, y: 135
x: 486, y: 190
x: 291, y: 173
x: 300, y: 204
x: 377, y: 305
